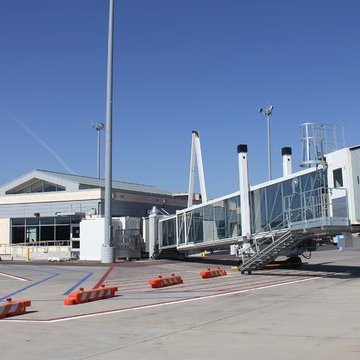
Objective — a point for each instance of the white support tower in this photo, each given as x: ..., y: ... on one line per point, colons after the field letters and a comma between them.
x: 244, y: 190
x: 196, y: 155
x: 287, y: 164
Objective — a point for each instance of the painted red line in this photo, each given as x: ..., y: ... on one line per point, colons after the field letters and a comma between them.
x: 101, y: 281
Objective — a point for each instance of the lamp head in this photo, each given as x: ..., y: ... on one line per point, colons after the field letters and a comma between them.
x: 268, y: 112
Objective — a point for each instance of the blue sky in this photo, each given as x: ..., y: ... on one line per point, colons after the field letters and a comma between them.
x: 179, y: 65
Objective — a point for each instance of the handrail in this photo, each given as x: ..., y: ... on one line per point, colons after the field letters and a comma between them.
x: 45, y: 243
x: 314, y: 204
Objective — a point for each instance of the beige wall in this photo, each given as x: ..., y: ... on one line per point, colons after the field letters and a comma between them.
x: 50, y: 197
x: 4, y: 231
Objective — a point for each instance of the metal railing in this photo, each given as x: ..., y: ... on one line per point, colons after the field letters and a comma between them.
x: 261, y: 238
x: 324, y: 205
x: 38, y: 250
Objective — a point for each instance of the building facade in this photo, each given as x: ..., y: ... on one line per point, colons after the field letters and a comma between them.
x: 47, y: 207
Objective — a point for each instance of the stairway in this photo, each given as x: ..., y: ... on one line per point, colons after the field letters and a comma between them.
x: 261, y: 252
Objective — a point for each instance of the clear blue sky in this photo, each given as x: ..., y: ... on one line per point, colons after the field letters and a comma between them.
x: 179, y: 65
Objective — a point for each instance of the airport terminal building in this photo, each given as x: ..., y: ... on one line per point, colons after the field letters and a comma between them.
x: 46, y: 207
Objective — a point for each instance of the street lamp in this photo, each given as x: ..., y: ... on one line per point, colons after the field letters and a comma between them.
x: 268, y: 112
x: 98, y: 127
x: 107, y: 249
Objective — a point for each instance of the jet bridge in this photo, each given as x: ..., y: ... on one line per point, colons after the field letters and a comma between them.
x: 281, y: 217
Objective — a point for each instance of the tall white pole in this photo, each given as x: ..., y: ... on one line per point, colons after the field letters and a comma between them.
x: 107, y: 250
x: 196, y: 155
x: 192, y: 171
x: 269, y: 146
x: 287, y: 166
x: 98, y: 155
x: 200, y: 169
x: 244, y: 190
x: 99, y: 127
x: 268, y: 112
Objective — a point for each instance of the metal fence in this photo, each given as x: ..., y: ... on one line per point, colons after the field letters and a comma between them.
x: 128, y: 244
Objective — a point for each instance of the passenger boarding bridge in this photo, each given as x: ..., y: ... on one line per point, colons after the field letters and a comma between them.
x: 281, y: 217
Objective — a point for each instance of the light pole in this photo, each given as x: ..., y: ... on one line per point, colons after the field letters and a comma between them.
x: 108, y: 250
x: 98, y: 127
x: 268, y: 112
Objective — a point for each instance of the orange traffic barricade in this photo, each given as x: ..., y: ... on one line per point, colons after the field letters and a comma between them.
x: 83, y: 296
x: 210, y: 273
x: 166, y: 281
x: 11, y: 308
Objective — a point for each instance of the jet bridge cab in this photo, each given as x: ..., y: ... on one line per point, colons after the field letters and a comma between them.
x: 343, y: 176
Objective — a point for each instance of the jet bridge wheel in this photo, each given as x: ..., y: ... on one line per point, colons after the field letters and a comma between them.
x: 294, y: 261
x: 243, y: 272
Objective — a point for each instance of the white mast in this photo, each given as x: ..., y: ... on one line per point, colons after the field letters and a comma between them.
x: 196, y: 154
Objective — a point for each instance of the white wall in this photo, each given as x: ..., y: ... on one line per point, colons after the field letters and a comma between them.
x: 340, y: 160
x: 91, y: 238
x: 4, y: 231
x: 349, y: 161
x: 355, y: 174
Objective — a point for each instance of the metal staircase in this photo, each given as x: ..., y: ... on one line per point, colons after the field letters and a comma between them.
x: 268, y: 248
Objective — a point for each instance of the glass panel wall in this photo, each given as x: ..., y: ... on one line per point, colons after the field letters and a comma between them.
x: 181, y: 228
x: 258, y: 210
x: 233, y: 217
x: 298, y: 199
x: 211, y: 222
x: 194, y: 225
x: 34, y: 230
x: 169, y: 232
x: 40, y: 186
x: 219, y: 220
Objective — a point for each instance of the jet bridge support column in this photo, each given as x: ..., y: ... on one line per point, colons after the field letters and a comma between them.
x: 244, y: 190
x: 153, y: 233
x: 196, y: 154
x: 287, y: 166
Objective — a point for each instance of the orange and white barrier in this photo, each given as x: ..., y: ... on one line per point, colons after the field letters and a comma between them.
x: 83, y: 296
x: 11, y: 308
x: 166, y: 281
x: 210, y: 273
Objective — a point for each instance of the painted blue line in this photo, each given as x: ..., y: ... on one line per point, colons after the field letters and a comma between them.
x: 28, y: 287
x: 67, y: 292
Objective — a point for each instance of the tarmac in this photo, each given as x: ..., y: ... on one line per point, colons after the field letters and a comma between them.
x: 277, y: 313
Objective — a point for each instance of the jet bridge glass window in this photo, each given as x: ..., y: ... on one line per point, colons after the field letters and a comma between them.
x: 338, y: 178
x: 169, y: 232
x: 211, y: 222
x: 293, y: 200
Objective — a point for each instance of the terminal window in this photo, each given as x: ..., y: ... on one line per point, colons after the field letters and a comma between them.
x: 338, y: 178
x: 50, y: 229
